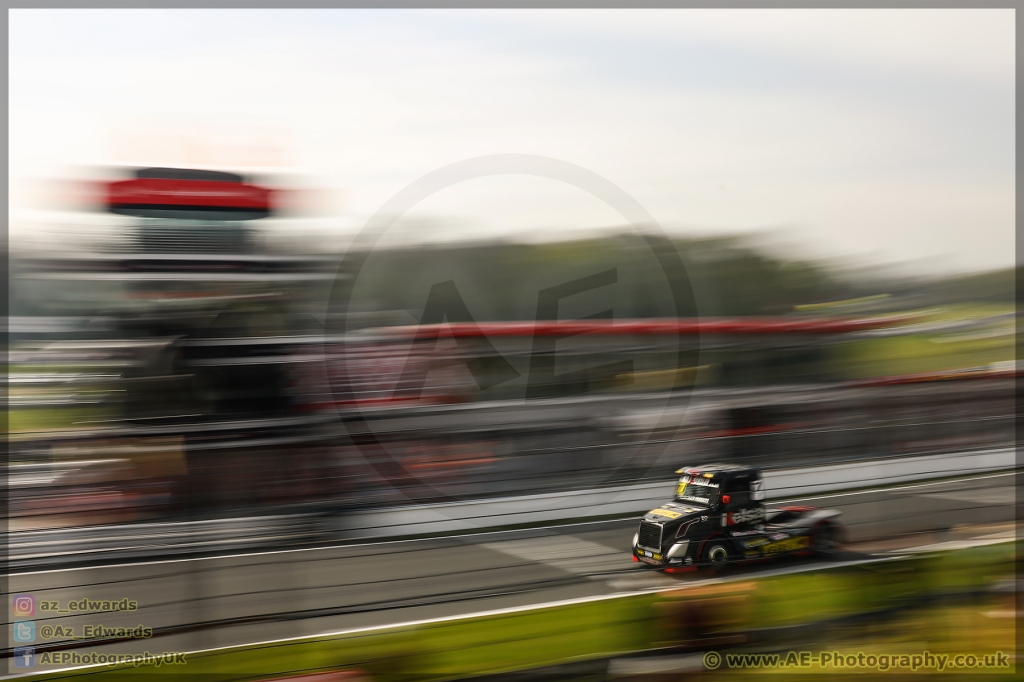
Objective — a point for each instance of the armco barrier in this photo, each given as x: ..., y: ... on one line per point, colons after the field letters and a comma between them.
x: 624, y: 500
x: 149, y: 540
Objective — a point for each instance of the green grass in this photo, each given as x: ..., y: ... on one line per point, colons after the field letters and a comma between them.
x: 42, y: 419
x: 925, y: 352
x: 436, y: 651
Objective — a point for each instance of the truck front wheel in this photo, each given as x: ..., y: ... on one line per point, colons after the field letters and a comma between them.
x: 716, y: 556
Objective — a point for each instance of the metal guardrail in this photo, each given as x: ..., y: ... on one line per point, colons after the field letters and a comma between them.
x: 152, y: 540
x: 633, y: 499
x: 63, y: 546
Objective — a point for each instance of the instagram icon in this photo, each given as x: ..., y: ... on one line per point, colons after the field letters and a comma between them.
x: 24, y: 605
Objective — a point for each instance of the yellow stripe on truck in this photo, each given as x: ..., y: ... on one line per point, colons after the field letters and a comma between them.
x: 787, y: 545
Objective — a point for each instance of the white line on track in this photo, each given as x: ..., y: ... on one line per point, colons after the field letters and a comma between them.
x: 566, y: 553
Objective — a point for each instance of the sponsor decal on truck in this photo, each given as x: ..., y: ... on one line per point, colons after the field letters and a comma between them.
x: 787, y: 545
x: 750, y: 515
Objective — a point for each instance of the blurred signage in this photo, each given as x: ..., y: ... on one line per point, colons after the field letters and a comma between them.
x: 155, y: 192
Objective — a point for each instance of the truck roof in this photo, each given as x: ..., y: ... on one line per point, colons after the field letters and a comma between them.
x: 718, y: 470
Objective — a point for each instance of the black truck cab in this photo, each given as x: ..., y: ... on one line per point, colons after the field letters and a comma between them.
x: 717, y: 516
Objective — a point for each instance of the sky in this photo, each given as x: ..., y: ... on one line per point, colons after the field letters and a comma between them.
x: 874, y: 136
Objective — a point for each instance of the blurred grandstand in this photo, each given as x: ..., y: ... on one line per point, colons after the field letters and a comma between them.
x: 187, y: 372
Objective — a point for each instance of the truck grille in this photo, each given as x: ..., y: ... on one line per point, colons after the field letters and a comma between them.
x: 649, y: 535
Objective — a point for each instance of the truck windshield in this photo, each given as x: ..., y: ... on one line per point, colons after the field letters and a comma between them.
x: 696, y: 490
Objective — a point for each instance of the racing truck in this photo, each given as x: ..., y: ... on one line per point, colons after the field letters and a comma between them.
x: 718, y: 518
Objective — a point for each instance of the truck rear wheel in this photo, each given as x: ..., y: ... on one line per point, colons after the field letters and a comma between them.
x: 825, y: 540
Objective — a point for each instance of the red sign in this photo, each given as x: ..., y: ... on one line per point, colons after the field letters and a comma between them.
x: 151, y: 193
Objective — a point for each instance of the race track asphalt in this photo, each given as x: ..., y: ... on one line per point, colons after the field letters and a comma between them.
x: 203, y: 603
